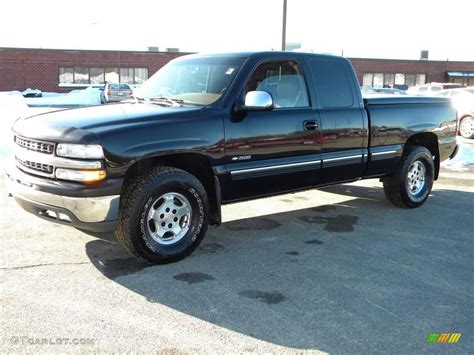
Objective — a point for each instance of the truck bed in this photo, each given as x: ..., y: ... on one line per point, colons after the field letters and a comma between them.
x: 392, y: 119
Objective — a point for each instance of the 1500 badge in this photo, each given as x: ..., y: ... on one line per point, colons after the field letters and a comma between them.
x: 242, y: 157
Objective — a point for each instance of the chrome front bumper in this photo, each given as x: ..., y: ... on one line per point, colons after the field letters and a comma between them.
x: 91, y: 213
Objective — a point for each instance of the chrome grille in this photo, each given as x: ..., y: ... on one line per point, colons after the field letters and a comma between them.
x: 36, y: 167
x: 39, y: 163
x: 37, y: 146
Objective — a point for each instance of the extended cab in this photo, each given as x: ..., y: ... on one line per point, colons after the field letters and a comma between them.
x: 207, y: 130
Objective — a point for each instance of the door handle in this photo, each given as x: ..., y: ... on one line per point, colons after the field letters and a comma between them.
x: 310, y: 125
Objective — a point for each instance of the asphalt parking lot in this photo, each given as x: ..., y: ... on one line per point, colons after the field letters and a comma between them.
x: 334, y: 270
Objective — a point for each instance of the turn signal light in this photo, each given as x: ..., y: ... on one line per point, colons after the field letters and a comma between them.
x: 80, y: 175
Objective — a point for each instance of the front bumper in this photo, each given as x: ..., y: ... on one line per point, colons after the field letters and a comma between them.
x: 92, y: 213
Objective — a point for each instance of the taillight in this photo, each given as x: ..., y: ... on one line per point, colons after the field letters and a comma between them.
x: 109, y: 93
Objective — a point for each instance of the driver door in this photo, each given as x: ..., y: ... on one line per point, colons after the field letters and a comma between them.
x: 269, y: 152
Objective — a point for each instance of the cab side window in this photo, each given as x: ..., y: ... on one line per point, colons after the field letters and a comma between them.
x: 283, y: 80
x: 333, y: 82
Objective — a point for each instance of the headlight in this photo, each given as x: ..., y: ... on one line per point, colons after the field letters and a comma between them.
x: 80, y: 175
x: 81, y: 151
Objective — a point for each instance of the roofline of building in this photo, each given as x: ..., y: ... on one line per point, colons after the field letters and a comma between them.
x: 184, y: 53
x: 414, y: 60
x: 92, y: 50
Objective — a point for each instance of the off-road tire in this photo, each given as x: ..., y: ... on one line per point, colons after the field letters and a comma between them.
x: 396, y: 186
x: 137, y: 196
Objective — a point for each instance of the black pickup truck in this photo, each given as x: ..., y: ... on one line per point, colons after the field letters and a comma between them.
x: 208, y: 130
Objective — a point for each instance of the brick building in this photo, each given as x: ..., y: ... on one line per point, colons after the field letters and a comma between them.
x: 380, y: 72
x: 63, y: 70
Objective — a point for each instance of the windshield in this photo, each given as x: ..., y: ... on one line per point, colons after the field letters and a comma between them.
x: 198, y: 81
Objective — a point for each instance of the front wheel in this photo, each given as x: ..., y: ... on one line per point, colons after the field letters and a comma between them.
x: 466, y: 127
x: 411, y: 184
x: 163, y: 215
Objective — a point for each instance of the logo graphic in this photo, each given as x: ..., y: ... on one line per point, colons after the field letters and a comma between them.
x: 443, y: 338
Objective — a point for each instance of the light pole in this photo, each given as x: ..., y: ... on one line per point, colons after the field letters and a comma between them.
x: 283, y: 32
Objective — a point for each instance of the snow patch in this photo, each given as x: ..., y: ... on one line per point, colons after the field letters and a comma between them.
x: 462, y: 160
x: 87, y: 97
x: 12, y: 107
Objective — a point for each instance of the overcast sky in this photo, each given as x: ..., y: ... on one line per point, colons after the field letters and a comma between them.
x: 362, y: 28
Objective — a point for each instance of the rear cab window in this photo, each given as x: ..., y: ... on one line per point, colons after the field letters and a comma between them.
x: 333, y: 82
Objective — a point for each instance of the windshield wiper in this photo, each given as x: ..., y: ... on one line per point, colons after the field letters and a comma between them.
x: 166, y: 100
x: 133, y: 98
x: 137, y: 98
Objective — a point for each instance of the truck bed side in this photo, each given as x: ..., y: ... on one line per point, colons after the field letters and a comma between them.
x: 398, y: 121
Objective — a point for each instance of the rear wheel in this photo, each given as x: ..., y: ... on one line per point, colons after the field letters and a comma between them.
x: 466, y: 127
x: 411, y: 184
x: 163, y: 215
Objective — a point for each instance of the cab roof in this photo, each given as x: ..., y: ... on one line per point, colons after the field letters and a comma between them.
x: 260, y: 54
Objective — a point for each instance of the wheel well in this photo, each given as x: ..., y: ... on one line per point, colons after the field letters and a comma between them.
x: 195, y: 164
x: 430, y: 142
x: 463, y: 117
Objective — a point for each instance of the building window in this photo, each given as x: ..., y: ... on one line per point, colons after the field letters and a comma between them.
x: 410, y: 79
x: 81, y: 75
x: 389, y: 80
x: 66, y: 75
x: 141, y: 75
x: 378, y: 80
x: 420, y: 79
x: 98, y: 76
x: 367, y: 79
x: 126, y: 75
x: 399, y: 79
x: 112, y: 75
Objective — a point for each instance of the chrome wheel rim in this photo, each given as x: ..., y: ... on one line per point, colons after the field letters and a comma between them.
x: 466, y: 127
x: 416, y: 178
x: 169, y: 218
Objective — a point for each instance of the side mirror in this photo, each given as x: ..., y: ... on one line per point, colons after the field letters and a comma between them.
x: 258, y: 101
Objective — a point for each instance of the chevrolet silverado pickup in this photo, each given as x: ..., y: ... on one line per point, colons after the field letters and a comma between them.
x: 208, y: 130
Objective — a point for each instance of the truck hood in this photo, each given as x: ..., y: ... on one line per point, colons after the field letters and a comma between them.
x: 85, y: 125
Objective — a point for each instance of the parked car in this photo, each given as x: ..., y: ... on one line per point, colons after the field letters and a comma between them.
x: 116, y: 92
x: 463, y: 101
x: 157, y: 169
x: 389, y: 91
x: 431, y: 89
x: 32, y: 93
x: 402, y: 87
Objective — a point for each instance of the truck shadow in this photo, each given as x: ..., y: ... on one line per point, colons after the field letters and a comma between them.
x: 349, y: 277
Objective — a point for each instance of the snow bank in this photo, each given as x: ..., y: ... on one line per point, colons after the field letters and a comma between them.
x: 462, y: 160
x: 12, y: 107
x: 86, y: 97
